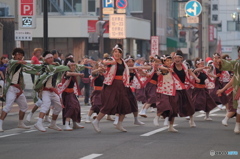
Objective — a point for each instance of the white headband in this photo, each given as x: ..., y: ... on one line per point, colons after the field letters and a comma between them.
x: 117, y: 47
x: 164, y: 57
x: 70, y: 56
x: 48, y: 56
x: 199, y: 61
x: 70, y: 63
x: 129, y: 58
x: 216, y: 55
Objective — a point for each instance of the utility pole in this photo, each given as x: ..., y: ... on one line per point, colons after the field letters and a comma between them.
x: 45, y: 25
x: 200, y: 31
x: 101, y: 39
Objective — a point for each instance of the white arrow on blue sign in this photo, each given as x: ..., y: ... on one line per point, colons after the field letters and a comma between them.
x: 193, y: 8
x: 108, y: 3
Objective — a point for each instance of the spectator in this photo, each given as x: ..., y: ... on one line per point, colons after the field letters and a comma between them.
x: 37, y: 52
x: 85, y: 81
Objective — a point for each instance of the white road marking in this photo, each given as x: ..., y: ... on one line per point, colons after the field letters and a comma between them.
x: 156, y: 131
x: 92, y: 156
x: 211, y: 113
x: 29, y: 131
x: 8, y: 135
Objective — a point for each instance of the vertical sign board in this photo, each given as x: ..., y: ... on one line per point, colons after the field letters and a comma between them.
x: 154, y: 45
x: 108, y: 6
x: 211, y: 33
x: 117, y: 26
x: 27, y: 14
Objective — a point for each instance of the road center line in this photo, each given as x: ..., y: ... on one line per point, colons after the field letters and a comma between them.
x: 211, y: 112
x: 156, y: 131
x: 8, y: 135
x: 91, y: 156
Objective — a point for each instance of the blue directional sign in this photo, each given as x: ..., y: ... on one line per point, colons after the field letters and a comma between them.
x: 193, y: 8
x: 108, y: 3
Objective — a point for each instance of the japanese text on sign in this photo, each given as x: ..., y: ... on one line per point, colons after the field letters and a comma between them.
x: 23, y: 35
x: 117, y: 24
x: 154, y: 45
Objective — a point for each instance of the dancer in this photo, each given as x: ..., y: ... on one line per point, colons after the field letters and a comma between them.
x: 151, y: 86
x: 234, y: 66
x: 182, y: 80
x: 220, y: 77
x: 201, y: 98
x: 97, y: 78
x: 15, y: 86
x: 166, y: 95
x: 49, y: 94
x: 114, y: 94
x: 134, y: 106
x: 72, y: 108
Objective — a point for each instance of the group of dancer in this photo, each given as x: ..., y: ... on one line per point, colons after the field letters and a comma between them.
x: 167, y: 83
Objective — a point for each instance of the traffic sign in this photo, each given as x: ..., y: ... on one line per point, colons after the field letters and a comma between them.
x: 117, y: 26
x: 108, y: 3
x: 27, y: 13
x: 121, y: 4
x: 193, y: 8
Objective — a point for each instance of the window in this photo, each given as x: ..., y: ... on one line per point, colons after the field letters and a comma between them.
x: 233, y: 26
x: 51, y: 7
x: 214, y: 17
x: 91, y: 5
x: 135, y: 5
x: 70, y: 5
x: 214, y: 7
x: 219, y: 27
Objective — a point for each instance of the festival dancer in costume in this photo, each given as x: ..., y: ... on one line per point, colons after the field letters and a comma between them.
x: 114, y: 94
x: 97, y: 79
x: 220, y: 78
x: 201, y: 98
x: 234, y: 66
x: 151, y: 86
x: 15, y: 86
x: 167, y: 105
x: 72, y: 108
x: 231, y: 112
x: 182, y: 82
x: 133, y: 77
x: 49, y: 94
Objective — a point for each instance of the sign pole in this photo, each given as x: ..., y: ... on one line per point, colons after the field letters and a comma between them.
x: 200, y: 31
x: 45, y: 25
x: 101, y: 39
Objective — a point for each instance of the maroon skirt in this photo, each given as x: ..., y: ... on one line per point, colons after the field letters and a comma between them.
x: 185, y: 104
x: 167, y: 105
x: 132, y: 100
x: 230, y: 103
x: 115, y: 99
x: 140, y: 95
x: 71, y: 108
x: 202, y: 100
x: 213, y: 93
x: 96, y: 101
x: 150, y: 93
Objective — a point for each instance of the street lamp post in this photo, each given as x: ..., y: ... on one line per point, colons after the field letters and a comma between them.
x: 236, y: 16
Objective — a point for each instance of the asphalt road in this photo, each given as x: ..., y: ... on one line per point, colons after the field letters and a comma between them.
x: 140, y: 142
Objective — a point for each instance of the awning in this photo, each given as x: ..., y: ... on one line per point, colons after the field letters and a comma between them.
x: 172, y: 42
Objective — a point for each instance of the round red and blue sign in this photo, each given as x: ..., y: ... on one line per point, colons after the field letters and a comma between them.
x: 121, y: 4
